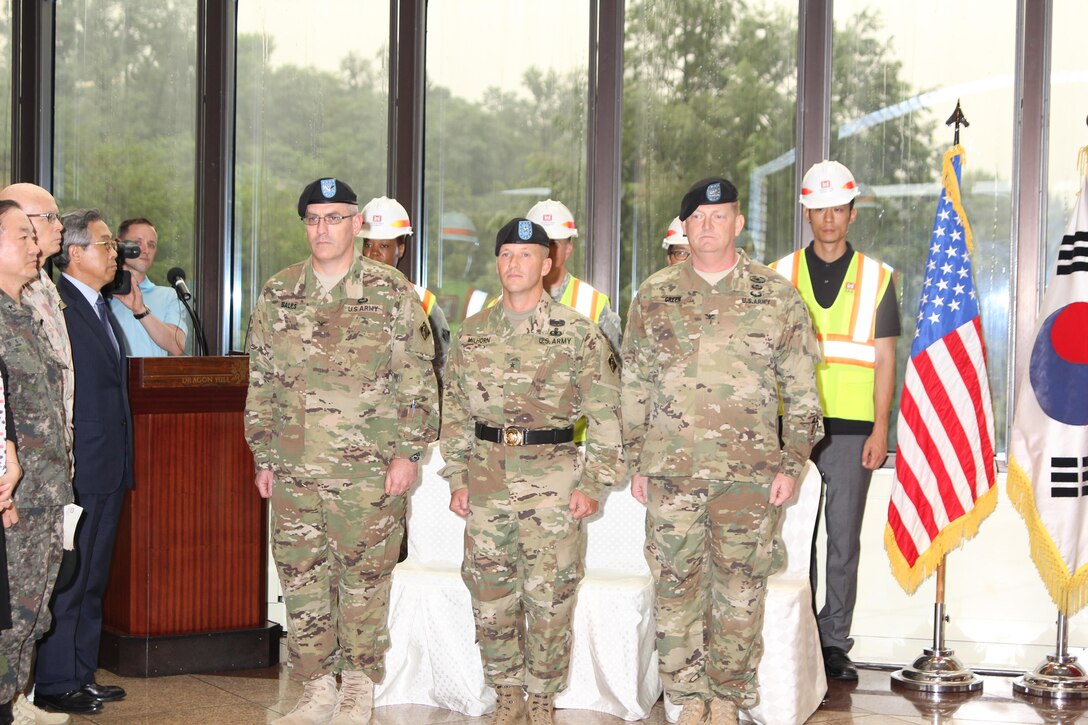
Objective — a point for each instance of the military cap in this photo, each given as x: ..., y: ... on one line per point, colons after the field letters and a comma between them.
x: 520, y: 230
x: 326, y: 191
x: 714, y: 190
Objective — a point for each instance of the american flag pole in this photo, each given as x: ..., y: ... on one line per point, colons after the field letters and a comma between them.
x: 937, y: 670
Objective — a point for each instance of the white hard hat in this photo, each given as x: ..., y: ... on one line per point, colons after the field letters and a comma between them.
x: 675, y: 234
x: 828, y: 183
x: 384, y: 218
x: 555, y: 217
x: 458, y: 227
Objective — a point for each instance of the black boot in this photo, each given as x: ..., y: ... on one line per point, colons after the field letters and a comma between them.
x: 6, y: 718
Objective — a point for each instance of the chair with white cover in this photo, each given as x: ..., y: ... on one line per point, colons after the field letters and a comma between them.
x: 792, y: 682
x: 433, y: 658
x: 613, y: 667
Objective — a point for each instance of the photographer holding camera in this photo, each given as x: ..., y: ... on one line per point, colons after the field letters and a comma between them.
x: 150, y: 315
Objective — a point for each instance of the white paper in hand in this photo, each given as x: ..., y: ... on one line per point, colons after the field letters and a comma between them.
x: 72, y: 512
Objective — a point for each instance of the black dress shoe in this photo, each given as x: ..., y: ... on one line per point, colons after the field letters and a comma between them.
x: 104, y: 693
x: 837, y: 664
x: 76, y: 701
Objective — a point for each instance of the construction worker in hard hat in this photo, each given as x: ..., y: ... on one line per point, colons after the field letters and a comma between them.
x: 564, y: 287
x: 675, y: 243
x: 385, y: 231
x: 851, y: 297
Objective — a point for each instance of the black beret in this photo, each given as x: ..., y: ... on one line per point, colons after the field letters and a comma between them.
x: 714, y: 190
x: 326, y: 191
x: 520, y: 230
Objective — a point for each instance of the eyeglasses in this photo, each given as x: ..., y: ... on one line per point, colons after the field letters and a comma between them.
x: 111, y: 245
x: 680, y: 253
x: 312, y: 220
x: 50, y: 216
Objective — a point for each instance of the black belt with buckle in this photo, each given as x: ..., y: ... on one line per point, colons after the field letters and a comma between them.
x: 513, y: 435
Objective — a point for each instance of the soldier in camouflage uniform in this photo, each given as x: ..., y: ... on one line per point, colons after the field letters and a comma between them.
x: 342, y: 402
x: 519, y: 375
x: 36, y: 396
x: 711, y: 345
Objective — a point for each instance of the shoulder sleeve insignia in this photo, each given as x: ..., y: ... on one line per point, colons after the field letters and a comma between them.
x: 613, y: 363
x: 425, y: 330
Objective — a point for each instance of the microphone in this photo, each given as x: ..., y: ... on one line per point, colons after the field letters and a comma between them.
x: 176, y: 278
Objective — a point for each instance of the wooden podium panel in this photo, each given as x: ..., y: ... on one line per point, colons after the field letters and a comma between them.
x: 187, y: 583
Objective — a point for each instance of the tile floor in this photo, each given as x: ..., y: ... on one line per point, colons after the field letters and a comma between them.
x: 259, y: 696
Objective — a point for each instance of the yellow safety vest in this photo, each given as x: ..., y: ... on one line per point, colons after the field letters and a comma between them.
x: 846, y: 374
x: 585, y: 299
x: 426, y: 298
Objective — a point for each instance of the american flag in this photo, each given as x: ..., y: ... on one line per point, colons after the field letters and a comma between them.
x: 944, y: 465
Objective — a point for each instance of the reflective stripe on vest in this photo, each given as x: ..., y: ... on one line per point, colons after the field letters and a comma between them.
x: 426, y: 298
x: 585, y: 299
x: 846, y: 331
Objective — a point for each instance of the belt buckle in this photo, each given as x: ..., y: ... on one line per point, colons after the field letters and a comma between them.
x: 513, y: 436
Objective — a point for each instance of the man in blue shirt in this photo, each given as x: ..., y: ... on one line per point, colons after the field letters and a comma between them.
x: 151, y: 316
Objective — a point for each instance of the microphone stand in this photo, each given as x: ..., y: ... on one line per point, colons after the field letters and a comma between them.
x: 200, y: 345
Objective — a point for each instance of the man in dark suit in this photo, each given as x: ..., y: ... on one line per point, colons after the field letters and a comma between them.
x: 68, y: 655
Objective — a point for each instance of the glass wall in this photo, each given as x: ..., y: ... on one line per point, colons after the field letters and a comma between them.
x: 1068, y: 132
x: 312, y: 93
x: 5, y: 92
x: 125, y: 119
x: 898, y: 72
x: 710, y: 89
x: 505, y: 128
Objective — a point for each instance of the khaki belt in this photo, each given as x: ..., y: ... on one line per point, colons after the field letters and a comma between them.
x: 516, y: 436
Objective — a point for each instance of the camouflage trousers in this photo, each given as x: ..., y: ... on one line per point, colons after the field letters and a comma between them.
x: 335, y: 543
x: 711, y: 546
x: 34, y: 552
x: 522, y: 569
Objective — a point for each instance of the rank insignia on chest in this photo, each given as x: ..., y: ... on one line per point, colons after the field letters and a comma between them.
x: 425, y: 330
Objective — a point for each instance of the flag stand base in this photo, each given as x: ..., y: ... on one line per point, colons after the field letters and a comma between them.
x: 1059, y: 677
x: 937, y: 670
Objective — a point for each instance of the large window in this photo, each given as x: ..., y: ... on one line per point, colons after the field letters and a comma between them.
x: 1067, y: 132
x: 5, y: 92
x: 311, y: 103
x: 710, y: 88
x: 899, y: 69
x: 125, y: 139
x: 505, y: 128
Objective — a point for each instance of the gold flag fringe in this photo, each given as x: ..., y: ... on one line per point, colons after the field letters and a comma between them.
x: 951, y: 537
x: 1082, y: 160
x: 1068, y: 591
x: 952, y: 187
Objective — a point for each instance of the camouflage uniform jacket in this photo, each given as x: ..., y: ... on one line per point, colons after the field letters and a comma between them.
x: 547, y: 376
x: 36, y: 404
x: 41, y: 296
x: 340, y: 383
x: 703, y: 369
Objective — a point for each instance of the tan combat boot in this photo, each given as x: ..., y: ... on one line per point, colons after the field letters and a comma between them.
x: 509, y: 707
x: 26, y: 713
x: 541, y: 707
x: 316, y: 706
x: 723, y: 712
x: 693, y: 713
x: 356, y: 699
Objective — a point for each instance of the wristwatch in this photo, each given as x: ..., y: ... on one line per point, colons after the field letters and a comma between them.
x: 142, y: 315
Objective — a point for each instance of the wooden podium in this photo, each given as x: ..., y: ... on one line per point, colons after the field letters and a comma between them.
x: 187, y: 585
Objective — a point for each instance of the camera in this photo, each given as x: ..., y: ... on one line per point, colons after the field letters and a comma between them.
x: 122, y: 280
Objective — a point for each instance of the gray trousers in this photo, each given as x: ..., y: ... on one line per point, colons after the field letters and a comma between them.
x: 846, y: 485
